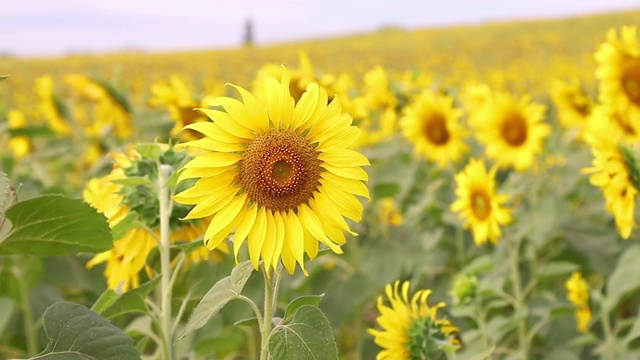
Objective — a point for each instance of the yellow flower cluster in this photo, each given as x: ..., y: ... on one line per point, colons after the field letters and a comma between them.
x: 578, y: 294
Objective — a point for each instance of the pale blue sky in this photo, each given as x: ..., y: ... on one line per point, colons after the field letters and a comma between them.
x: 54, y: 27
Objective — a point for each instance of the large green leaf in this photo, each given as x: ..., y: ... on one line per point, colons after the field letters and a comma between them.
x: 55, y: 225
x: 625, y: 277
x: 218, y: 296
x: 307, y: 336
x: 297, y: 303
x: 110, y: 304
x: 76, y: 332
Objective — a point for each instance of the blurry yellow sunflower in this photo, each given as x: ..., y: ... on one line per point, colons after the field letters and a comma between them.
x: 618, y: 73
x: 474, y: 96
x: 389, y: 214
x: 478, y: 204
x: 431, y: 124
x: 573, y: 105
x: 299, y: 78
x: 611, y: 171
x: 410, y: 328
x: 177, y: 98
x: 50, y: 107
x: 283, y: 175
x: 603, y: 118
x: 512, y: 131
x: 20, y: 145
x: 578, y: 293
x: 111, y: 111
x: 194, y: 230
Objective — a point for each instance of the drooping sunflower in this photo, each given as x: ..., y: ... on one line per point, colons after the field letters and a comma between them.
x: 612, y: 172
x: 283, y: 175
x: 50, y: 107
x: 618, y: 73
x: 410, y: 328
x: 511, y: 130
x: 431, y: 124
x: 478, y: 204
x: 578, y: 293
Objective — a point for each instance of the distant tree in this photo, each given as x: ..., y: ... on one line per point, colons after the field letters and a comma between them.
x: 248, y: 32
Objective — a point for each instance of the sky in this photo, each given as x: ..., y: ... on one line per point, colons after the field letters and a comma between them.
x: 58, y: 27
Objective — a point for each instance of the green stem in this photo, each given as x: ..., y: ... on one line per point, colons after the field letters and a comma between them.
x: 609, y: 337
x: 164, y: 172
x: 271, y: 285
x: 27, y: 313
x: 519, y: 296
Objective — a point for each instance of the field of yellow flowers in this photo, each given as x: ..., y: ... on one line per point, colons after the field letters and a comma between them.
x: 458, y: 193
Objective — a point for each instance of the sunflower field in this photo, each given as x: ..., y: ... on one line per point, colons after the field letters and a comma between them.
x: 456, y: 193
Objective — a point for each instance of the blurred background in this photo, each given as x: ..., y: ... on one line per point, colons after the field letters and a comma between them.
x: 57, y: 27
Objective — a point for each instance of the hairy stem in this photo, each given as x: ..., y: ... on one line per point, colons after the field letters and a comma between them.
x: 164, y: 172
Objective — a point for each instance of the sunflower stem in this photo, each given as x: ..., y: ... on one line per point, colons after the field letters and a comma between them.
x: 523, y: 343
x: 27, y: 313
x: 271, y: 284
x: 164, y: 172
x: 609, y: 337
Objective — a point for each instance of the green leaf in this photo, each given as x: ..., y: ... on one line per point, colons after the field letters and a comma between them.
x: 479, y: 264
x: 55, y: 225
x: 134, y: 181
x: 75, y: 332
x: 624, y: 278
x: 6, y: 310
x: 31, y: 131
x: 110, y: 304
x: 123, y: 226
x: 149, y: 151
x: 308, y: 336
x: 555, y: 268
x: 385, y: 190
x: 295, y: 304
x: 218, y: 296
x: 252, y: 321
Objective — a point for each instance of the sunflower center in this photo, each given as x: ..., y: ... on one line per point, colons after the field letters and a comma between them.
x: 435, y: 129
x: 480, y: 204
x: 280, y: 170
x: 631, y: 82
x: 514, y: 129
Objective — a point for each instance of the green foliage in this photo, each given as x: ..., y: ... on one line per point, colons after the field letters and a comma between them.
x: 54, y: 225
x: 111, y: 304
x: 307, y: 336
x: 221, y: 293
x: 75, y: 332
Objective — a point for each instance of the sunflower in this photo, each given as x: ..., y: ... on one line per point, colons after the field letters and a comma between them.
x: 618, y: 73
x: 410, y: 328
x: 127, y: 257
x: 176, y: 97
x: 578, y: 293
x: 573, y: 104
x: 603, y: 118
x: 611, y: 171
x: 283, y: 175
x: 478, y: 204
x: 20, y: 145
x: 431, y: 124
x: 512, y: 131
x: 50, y: 107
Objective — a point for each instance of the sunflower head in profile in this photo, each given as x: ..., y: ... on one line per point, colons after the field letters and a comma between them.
x: 614, y: 169
x: 431, y: 124
x: 478, y: 204
x: 410, y: 328
x: 618, y: 72
x: 276, y: 173
x: 511, y: 130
